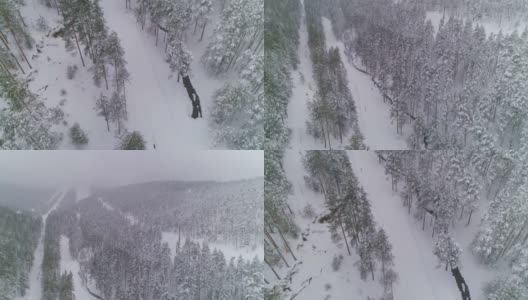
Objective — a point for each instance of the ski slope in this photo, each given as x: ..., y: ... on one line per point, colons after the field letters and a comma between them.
x: 35, y: 285
x: 304, y: 88
x: 374, y: 117
x: 415, y: 263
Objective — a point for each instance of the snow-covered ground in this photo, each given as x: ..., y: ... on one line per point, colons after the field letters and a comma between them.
x: 229, y: 251
x: 303, y: 91
x: 68, y: 264
x: 420, y: 277
x: 49, y: 80
x: 490, y: 25
x: 158, y: 106
x: 313, y: 276
x: 35, y: 287
x: 82, y: 192
x: 132, y: 219
x: 374, y: 117
x: 414, y: 260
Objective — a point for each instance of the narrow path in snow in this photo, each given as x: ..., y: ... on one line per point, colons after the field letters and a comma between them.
x: 303, y: 90
x: 158, y: 106
x: 413, y: 252
x: 373, y: 114
x: 35, y: 286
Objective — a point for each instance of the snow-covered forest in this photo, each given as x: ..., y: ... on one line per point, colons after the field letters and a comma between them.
x: 136, y: 74
x: 369, y: 225
x: 96, y: 248
x: 438, y: 89
x: 437, y: 74
x: 105, y: 228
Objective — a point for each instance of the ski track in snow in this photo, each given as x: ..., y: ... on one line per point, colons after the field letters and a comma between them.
x: 374, y: 117
x: 414, y: 260
x: 157, y: 106
x: 35, y: 287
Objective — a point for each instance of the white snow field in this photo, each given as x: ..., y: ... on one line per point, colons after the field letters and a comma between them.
x: 158, y: 106
x: 374, y: 117
x: 68, y: 264
x: 35, y: 285
x: 415, y: 263
x: 303, y: 91
x: 171, y: 238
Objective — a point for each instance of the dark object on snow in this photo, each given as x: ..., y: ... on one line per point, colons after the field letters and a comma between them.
x: 197, y: 107
x: 461, y: 283
x: 58, y: 33
x: 188, y: 86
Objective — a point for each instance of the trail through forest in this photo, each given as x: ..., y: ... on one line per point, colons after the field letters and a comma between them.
x: 374, y: 117
x: 312, y: 275
x: 35, y: 286
x: 303, y: 91
x: 68, y: 264
x: 158, y: 106
x: 416, y: 264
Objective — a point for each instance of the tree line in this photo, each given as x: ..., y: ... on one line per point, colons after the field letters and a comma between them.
x: 19, y: 235
x: 25, y: 122
x: 129, y: 261
x: 229, y: 212
x: 455, y: 86
x: 332, y: 111
x: 349, y: 215
x: 442, y: 189
x: 281, y: 40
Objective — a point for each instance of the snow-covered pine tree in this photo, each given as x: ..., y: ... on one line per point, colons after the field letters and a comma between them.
x: 239, y: 34
x: 179, y: 58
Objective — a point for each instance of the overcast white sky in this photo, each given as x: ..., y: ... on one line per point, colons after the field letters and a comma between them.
x: 84, y: 168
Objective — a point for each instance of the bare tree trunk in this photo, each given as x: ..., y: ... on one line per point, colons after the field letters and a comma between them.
x: 19, y: 47
x: 469, y: 219
x: 79, y: 48
x: 203, y: 30
x: 277, y: 248
x: 272, y: 269
x: 345, y: 238
x: 104, y: 75
x: 4, y: 40
x: 5, y: 68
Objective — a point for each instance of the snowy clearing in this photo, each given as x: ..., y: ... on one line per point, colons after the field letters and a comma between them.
x: 171, y: 238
